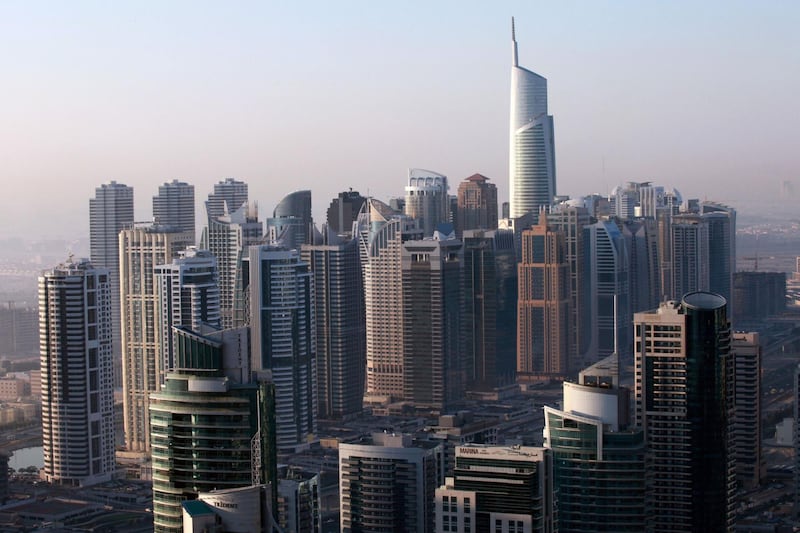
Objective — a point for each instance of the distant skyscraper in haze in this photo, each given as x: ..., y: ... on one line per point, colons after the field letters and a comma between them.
x: 291, y: 224
x: 228, y: 196
x: 284, y: 338
x: 344, y: 210
x: 476, y: 205
x: 142, y: 249
x: 340, y: 324
x: 174, y: 206
x: 426, y: 199
x: 77, y: 374
x: 683, y: 373
x: 532, y: 158
x: 110, y: 211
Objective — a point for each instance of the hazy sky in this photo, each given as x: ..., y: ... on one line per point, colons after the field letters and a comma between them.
x: 702, y: 96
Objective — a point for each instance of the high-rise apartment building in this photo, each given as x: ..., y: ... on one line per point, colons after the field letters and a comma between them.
x: 690, y: 259
x: 498, y: 489
x: 188, y: 295
x: 426, y: 199
x: 228, y: 238
x: 532, y: 156
x: 340, y: 324
x: 284, y: 338
x: 110, y: 211
x: 683, y: 401
x: 746, y: 424
x: 490, y: 308
x: 608, y: 301
x: 388, y: 483
x: 384, y: 231
x: 142, y: 249
x: 209, y: 430
x: 569, y: 218
x: 476, y: 205
x: 77, y: 374
x: 343, y: 211
x: 174, y: 206
x: 432, y: 322
x: 544, y: 317
x: 228, y: 196
x: 641, y: 241
x: 291, y: 224
x: 598, y: 461
x: 758, y: 295
x: 721, y: 220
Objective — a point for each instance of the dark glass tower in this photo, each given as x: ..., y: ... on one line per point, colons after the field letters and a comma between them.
x: 684, y: 377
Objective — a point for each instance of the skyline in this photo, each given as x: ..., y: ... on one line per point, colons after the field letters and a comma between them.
x: 330, y: 97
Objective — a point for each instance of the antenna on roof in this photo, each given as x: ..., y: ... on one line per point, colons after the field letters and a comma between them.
x: 513, y: 32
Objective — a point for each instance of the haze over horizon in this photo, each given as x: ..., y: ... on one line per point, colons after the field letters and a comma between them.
x: 701, y: 97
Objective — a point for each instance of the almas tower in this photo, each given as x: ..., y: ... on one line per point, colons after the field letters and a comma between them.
x: 532, y: 160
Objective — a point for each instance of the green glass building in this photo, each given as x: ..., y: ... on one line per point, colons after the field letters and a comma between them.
x: 210, y: 429
x: 598, y: 462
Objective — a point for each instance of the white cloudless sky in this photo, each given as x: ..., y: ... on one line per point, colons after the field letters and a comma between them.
x: 702, y: 96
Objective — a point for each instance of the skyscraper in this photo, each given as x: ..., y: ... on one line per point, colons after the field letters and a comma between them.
x: 683, y: 375
x: 284, y: 338
x: 188, y: 295
x: 291, y: 223
x: 432, y: 322
x: 174, y: 206
x: 340, y: 328
x: 228, y: 196
x: 532, y: 158
x: 388, y: 484
x: 142, y: 248
x: 110, y: 211
x: 746, y: 426
x: 228, y: 238
x: 381, y: 240
x: 570, y: 218
x: 641, y: 241
x: 608, y: 300
x: 598, y: 461
x: 210, y: 431
x: 477, y: 205
x: 490, y: 308
x: 426, y: 199
x: 690, y: 259
x: 544, y: 317
x: 77, y: 374
x: 344, y: 210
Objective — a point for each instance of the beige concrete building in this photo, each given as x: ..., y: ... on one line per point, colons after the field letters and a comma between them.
x: 141, y: 249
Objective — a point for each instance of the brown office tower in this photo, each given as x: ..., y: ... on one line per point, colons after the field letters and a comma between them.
x: 544, y: 317
x: 477, y: 205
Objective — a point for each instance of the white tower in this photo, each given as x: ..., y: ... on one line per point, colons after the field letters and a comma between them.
x: 77, y: 374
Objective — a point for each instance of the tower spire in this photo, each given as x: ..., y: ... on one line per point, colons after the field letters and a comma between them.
x: 514, y: 58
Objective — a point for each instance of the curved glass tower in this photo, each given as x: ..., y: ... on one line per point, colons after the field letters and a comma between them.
x: 532, y: 161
